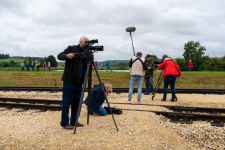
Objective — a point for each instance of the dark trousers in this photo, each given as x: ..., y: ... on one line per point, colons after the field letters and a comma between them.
x: 169, y: 79
x: 71, y: 97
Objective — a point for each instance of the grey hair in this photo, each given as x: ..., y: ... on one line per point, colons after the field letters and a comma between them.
x: 83, y: 38
x: 108, y: 87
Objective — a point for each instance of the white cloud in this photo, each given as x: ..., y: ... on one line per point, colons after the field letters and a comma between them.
x: 41, y: 28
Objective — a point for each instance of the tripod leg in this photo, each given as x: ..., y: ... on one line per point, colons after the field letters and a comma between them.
x: 82, y: 96
x: 105, y: 95
x: 158, y: 84
x: 89, y: 92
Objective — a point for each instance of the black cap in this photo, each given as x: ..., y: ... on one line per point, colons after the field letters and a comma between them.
x: 148, y: 55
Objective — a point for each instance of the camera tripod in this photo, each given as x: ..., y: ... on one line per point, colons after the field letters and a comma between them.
x: 160, y: 79
x: 159, y: 82
x: 88, y: 75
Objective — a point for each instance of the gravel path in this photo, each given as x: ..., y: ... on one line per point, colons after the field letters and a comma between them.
x: 137, y: 130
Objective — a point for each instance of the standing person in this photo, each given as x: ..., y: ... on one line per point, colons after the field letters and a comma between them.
x: 44, y: 66
x: 49, y: 65
x: 32, y: 65
x: 108, y: 66
x: 137, y: 71
x: 38, y: 65
x: 28, y: 66
x: 22, y: 66
x: 73, y: 78
x: 171, y: 71
x: 98, y: 98
x: 190, y: 65
x: 149, y: 74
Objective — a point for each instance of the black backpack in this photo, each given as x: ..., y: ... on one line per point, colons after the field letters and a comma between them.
x: 115, y: 110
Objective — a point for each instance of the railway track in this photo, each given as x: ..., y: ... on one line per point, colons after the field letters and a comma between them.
x: 180, y: 113
x: 117, y: 90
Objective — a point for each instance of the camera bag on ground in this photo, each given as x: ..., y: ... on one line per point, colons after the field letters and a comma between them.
x: 115, y: 110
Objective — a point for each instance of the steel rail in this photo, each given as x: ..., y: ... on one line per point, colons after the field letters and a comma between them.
x: 211, y: 110
x: 117, y: 90
x: 55, y: 105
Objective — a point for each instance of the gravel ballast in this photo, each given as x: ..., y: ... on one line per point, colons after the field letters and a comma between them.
x: 33, y: 129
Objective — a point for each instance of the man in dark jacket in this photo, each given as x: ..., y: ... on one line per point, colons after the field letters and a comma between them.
x: 98, y: 98
x: 73, y: 78
x: 149, y: 74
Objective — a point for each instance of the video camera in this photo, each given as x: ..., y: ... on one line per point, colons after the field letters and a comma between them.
x: 89, y: 46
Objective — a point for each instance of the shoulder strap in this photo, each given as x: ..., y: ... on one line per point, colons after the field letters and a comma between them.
x: 138, y: 59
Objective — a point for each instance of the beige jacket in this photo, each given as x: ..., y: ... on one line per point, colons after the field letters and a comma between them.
x: 137, y: 68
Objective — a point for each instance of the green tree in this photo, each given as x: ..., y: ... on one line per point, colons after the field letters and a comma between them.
x: 12, y: 63
x: 52, y: 61
x: 182, y: 64
x: 5, y: 64
x: 194, y: 51
x: 222, y: 63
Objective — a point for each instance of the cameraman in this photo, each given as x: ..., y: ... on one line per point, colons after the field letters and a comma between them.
x: 171, y: 71
x: 98, y: 98
x: 73, y: 78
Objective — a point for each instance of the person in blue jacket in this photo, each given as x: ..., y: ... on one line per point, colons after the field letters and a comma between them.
x: 98, y: 98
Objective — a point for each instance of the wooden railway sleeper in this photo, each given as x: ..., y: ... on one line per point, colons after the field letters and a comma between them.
x: 217, y: 122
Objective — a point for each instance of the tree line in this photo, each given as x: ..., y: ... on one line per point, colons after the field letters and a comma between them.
x: 192, y: 51
x: 12, y: 63
x: 4, y: 56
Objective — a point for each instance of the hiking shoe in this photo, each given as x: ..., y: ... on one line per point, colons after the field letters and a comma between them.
x: 139, y: 102
x: 163, y: 100
x: 78, y: 124
x: 172, y: 100
x: 69, y: 127
x: 146, y: 94
x: 128, y: 101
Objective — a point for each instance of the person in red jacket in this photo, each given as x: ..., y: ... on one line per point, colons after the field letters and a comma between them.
x: 171, y: 71
x: 190, y: 65
x: 32, y: 65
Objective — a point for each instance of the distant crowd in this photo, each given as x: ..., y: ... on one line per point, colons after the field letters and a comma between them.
x: 32, y: 65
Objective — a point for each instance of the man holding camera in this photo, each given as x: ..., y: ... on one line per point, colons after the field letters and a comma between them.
x: 137, y: 71
x: 73, y: 78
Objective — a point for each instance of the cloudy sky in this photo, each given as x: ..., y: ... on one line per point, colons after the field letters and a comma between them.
x: 40, y: 28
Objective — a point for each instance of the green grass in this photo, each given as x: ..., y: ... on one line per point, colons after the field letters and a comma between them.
x: 198, y: 80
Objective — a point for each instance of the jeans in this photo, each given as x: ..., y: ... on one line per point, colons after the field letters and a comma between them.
x: 33, y: 68
x: 149, y: 83
x: 71, y: 96
x: 22, y: 68
x: 108, y: 69
x: 101, y: 111
x: 190, y: 69
x: 169, y: 79
x: 133, y: 80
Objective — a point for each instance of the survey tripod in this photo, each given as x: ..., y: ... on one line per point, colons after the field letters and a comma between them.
x: 159, y: 82
x: 88, y: 75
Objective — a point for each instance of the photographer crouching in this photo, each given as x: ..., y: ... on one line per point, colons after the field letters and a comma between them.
x: 98, y: 98
x: 171, y: 71
x: 73, y: 78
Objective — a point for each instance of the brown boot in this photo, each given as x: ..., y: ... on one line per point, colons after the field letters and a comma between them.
x: 68, y: 127
x: 78, y: 124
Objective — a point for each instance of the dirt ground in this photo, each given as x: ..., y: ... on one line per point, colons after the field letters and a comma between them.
x: 137, y: 130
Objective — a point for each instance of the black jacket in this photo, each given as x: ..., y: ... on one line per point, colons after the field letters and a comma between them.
x: 75, y: 68
x: 149, y: 72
